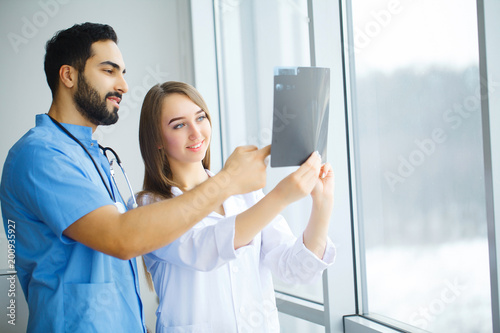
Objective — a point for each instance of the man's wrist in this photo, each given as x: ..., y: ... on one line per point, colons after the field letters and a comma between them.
x: 225, y: 186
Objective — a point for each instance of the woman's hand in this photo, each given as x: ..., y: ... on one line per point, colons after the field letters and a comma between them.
x: 325, y: 185
x: 301, y: 182
x: 316, y: 232
x: 292, y: 188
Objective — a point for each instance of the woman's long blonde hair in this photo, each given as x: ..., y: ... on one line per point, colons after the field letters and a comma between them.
x: 158, y: 181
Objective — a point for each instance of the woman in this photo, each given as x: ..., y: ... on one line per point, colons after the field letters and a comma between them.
x: 218, y: 276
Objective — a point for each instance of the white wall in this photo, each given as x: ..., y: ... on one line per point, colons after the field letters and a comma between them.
x: 155, y: 40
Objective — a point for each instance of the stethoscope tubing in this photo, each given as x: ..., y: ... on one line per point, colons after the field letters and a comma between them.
x: 104, y: 149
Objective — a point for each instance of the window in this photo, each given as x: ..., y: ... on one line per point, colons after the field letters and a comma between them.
x: 420, y: 185
x: 414, y: 166
x: 253, y: 37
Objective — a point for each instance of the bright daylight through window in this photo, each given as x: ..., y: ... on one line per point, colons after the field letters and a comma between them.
x: 417, y: 141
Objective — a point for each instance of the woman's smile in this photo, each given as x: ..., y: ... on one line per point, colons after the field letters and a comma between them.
x: 196, y: 147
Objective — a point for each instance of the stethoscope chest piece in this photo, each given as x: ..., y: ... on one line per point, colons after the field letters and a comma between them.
x: 120, y: 207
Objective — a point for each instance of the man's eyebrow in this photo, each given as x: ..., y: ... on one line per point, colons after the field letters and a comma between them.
x: 180, y: 118
x: 114, y: 65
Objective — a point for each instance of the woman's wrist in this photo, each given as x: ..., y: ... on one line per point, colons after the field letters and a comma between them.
x: 278, y: 198
x: 322, y: 201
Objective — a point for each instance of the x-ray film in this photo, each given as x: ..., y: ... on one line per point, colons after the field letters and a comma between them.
x: 300, y: 118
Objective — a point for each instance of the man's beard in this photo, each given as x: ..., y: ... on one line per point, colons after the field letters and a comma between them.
x: 91, y: 106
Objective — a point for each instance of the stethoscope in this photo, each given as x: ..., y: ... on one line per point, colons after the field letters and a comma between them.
x: 119, y: 205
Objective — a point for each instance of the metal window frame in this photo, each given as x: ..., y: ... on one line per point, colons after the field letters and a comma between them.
x: 489, y: 63
x: 361, y: 324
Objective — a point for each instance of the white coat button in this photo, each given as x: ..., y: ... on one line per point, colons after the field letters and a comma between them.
x: 235, y: 269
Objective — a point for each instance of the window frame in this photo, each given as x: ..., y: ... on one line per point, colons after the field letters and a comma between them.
x: 489, y: 63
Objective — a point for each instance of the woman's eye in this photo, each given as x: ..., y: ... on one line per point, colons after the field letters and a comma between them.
x: 200, y: 118
x: 178, y: 126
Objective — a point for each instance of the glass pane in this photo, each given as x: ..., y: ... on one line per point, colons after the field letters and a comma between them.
x: 256, y: 36
x: 419, y: 164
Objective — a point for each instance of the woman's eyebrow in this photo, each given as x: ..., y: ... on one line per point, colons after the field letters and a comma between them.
x: 179, y: 118
x: 174, y: 119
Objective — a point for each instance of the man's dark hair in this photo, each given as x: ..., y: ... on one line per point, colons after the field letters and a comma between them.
x: 73, y: 47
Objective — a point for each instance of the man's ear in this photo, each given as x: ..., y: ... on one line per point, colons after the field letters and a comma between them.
x: 68, y: 76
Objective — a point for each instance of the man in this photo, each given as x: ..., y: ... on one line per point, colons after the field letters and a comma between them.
x: 74, y: 250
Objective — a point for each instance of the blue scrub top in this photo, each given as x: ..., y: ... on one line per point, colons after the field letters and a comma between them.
x: 49, y: 182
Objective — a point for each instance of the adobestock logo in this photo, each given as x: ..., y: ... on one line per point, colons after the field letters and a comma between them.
x: 407, y: 165
x: 31, y: 26
x: 281, y: 119
x: 229, y: 5
x: 427, y: 314
x: 454, y: 117
x: 373, y: 28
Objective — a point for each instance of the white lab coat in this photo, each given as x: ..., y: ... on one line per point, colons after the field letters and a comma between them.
x: 204, y: 285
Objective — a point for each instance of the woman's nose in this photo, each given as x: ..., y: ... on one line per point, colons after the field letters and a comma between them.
x: 195, y: 132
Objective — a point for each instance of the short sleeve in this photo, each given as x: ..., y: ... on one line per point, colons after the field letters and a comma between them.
x: 59, y: 187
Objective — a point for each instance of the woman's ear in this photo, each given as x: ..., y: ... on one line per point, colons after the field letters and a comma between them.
x: 68, y: 76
